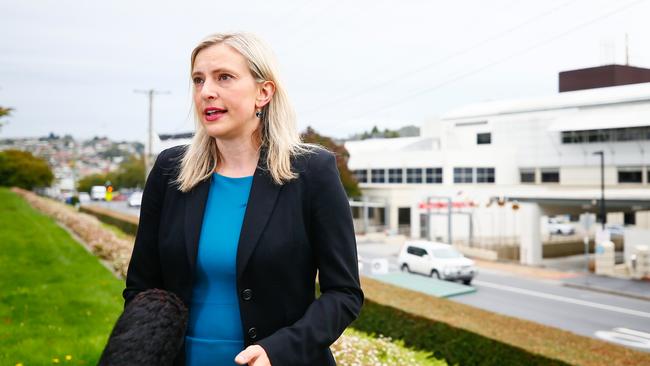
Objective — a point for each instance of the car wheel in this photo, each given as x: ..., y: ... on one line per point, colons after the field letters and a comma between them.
x: 467, y: 282
x: 435, y: 274
x: 405, y: 268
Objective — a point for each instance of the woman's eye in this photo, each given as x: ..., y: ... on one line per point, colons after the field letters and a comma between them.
x: 225, y: 77
x: 197, y: 80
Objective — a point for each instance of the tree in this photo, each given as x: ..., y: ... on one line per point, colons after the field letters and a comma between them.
x: 130, y: 173
x: 84, y: 184
x: 349, y: 181
x: 24, y: 170
x: 4, y: 112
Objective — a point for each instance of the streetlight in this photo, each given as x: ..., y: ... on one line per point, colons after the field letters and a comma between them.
x: 602, y: 187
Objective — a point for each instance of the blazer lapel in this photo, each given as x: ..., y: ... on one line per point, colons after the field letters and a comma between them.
x: 194, y: 209
x: 261, y: 201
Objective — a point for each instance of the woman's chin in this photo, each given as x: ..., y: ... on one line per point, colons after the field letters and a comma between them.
x: 215, y: 131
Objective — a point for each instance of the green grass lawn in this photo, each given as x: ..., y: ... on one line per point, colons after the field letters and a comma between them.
x: 56, y: 299
x: 58, y: 304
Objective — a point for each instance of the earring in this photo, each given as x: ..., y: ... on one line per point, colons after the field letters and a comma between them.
x: 258, y: 114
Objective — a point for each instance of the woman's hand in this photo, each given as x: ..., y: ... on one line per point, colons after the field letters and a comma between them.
x: 253, y: 356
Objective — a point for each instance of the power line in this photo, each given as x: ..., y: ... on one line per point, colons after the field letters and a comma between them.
x: 467, y: 22
x: 300, y: 27
x: 349, y: 14
x: 524, y: 51
x: 441, y: 60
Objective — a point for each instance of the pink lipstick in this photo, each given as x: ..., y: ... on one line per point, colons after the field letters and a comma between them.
x: 213, y: 113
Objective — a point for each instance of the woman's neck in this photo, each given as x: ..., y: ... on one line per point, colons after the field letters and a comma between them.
x: 237, y: 158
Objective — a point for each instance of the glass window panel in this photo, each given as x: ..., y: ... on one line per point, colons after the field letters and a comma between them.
x: 463, y: 175
x: 550, y: 176
x: 378, y: 176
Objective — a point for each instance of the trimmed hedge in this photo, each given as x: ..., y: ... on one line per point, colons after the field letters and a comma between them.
x: 465, y: 335
x: 454, y: 345
x: 126, y: 223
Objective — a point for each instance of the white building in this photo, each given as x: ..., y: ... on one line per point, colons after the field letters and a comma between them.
x: 535, y: 153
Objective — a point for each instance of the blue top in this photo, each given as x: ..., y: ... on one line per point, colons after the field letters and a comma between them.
x: 214, y: 331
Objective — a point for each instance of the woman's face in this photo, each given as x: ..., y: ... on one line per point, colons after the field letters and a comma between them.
x: 225, y: 94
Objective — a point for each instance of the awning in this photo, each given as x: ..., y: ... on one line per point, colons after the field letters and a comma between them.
x: 602, y: 118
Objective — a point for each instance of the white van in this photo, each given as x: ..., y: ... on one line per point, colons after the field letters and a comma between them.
x: 98, y: 193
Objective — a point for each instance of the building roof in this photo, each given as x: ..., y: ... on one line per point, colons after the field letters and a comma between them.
x: 418, y: 143
x: 176, y: 136
x: 602, y: 118
x: 573, y: 99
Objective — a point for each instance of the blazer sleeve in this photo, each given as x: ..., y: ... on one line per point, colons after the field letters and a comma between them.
x: 331, y: 232
x: 144, y: 270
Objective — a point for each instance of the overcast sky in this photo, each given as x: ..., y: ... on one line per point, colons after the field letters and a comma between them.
x: 72, y: 66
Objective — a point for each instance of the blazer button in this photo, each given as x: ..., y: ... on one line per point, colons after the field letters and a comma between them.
x: 252, y: 333
x: 247, y: 294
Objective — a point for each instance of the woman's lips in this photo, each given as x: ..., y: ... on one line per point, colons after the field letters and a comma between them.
x: 213, y: 114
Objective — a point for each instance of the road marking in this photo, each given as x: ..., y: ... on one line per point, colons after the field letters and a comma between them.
x: 564, y: 299
x: 633, y: 332
x: 627, y: 337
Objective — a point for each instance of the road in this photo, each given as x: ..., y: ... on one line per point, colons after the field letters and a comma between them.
x: 119, y: 206
x: 616, y: 319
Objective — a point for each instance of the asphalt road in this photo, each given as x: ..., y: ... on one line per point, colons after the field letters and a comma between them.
x: 612, y: 318
x: 119, y: 206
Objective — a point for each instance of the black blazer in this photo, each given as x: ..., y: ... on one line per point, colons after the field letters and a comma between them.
x: 289, y: 232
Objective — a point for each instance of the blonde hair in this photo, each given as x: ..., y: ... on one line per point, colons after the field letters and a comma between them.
x: 277, y: 132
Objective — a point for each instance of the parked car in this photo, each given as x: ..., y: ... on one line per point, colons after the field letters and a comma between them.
x: 98, y: 193
x: 438, y: 260
x: 559, y: 227
x: 84, y: 197
x: 135, y: 199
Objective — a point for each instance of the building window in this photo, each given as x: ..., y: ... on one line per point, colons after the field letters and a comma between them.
x: 484, y: 138
x: 395, y: 175
x: 434, y: 175
x: 378, y: 176
x: 484, y: 175
x: 551, y: 175
x: 606, y: 135
x: 414, y: 175
x: 527, y: 175
x: 361, y: 175
x: 630, y: 175
x: 463, y: 175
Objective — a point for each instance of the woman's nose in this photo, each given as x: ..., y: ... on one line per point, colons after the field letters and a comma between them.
x: 209, y: 92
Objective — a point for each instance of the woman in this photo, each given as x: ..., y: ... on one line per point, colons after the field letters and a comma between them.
x: 239, y: 222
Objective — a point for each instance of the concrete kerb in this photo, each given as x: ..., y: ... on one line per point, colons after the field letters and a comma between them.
x: 606, y: 291
x: 583, y: 283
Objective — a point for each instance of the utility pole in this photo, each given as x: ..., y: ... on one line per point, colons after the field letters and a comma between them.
x: 602, y: 187
x: 627, y: 51
x: 148, y: 155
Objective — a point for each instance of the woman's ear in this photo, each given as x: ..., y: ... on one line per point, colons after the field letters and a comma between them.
x: 265, y: 92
